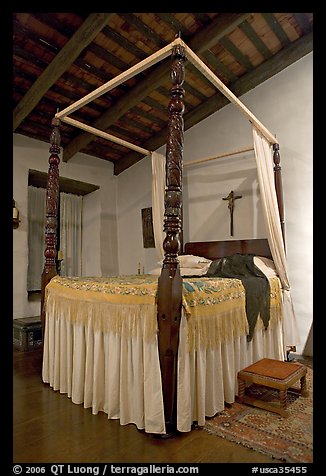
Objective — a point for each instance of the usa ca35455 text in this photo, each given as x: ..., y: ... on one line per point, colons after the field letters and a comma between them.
x: 284, y: 470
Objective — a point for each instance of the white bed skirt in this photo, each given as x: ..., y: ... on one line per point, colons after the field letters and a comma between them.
x: 120, y: 375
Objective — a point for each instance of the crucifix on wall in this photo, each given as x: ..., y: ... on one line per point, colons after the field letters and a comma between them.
x: 231, y: 198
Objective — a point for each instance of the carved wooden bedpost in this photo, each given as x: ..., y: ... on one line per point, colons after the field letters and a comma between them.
x: 279, y: 186
x: 170, y: 281
x: 51, y: 225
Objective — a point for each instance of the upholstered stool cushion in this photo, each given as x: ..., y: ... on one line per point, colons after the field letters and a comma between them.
x: 274, y: 374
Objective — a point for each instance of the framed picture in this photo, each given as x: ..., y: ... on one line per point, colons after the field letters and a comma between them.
x: 147, y: 224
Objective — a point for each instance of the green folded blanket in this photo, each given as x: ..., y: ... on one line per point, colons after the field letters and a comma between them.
x: 256, y: 284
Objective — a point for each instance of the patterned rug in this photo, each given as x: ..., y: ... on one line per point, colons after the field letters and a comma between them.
x: 288, y: 439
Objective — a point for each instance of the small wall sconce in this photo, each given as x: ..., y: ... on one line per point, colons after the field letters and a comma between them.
x: 15, y: 215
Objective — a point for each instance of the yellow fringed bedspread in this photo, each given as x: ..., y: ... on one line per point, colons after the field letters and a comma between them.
x: 214, y: 307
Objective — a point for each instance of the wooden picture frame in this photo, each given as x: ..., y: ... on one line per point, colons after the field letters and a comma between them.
x: 147, y: 226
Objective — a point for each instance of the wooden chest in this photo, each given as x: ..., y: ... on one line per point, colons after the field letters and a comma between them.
x: 27, y: 333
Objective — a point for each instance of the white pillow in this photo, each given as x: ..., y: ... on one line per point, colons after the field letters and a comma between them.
x: 185, y: 271
x: 192, y: 261
x: 265, y: 265
x: 194, y: 271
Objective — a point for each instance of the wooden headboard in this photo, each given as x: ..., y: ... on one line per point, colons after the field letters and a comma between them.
x: 217, y: 249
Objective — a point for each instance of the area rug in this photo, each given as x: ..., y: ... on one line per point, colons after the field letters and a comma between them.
x: 288, y: 439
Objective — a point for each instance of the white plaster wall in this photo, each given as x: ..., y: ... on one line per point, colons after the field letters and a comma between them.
x: 134, y: 193
x: 91, y: 235
x: 284, y: 105
x: 100, y: 214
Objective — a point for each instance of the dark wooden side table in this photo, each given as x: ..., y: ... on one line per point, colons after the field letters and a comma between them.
x: 274, y: 374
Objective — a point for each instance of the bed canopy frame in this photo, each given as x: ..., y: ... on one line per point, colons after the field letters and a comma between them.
x: 169, y: 297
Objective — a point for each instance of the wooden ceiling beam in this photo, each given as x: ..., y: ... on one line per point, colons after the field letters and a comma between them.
x: 67, y: 185
x: 248, y: 30
x: 88, y: 87
x: 277, y: 29
x: 261, y: 73
x: 218, y: 67
x: 175, y: 25
x: 140, y: 55
x: 80, y: 62
x: 64, y: 94
x: 148, y: 33
x: 242, y: 59
x: 94, y: 23
x: 222, y: 25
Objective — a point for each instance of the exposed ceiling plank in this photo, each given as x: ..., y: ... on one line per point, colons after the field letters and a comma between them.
x: 143, y: 28
x: 261, y: 73
x: 80, y: 62
x: 140, y: 54
x: 222, y: 25
x: 97, y: 50
x: 88, y: 87
x: 174, y: 24
x: 186, y: 34
x: 36, y: 61
x: 255, y: 39
x: 124, y: 42
x: 236, y: 53
x: 147, y: 115
x: 218, y: 66
x: 155, y: 104
x: 51, y: 21
x: 111, y: 59
x: 277, y: 28
x: 63, y: 93
x: 94, y: 23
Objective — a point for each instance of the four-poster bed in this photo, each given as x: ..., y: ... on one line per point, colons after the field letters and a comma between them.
x: 167, y: 353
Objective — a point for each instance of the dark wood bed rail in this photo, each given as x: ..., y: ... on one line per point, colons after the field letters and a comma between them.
x: 218, y: 249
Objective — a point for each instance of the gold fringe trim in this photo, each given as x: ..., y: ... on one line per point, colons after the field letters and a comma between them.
x: 210, y: 331
x: 212, y: 325
x: 213, y: 317
x: 122, y: 319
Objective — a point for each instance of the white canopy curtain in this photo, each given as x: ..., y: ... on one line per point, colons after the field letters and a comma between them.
x: 36, y: 225
x: 264, y: 161
x: 71, y: 234
x: 158, y: 190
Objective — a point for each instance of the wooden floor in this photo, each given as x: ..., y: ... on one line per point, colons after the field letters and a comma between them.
x: 49, y: 428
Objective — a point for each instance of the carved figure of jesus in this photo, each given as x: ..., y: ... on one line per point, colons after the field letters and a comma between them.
x: 231, y: 198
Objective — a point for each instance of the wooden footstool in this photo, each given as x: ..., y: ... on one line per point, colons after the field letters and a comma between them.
x: 274, y: 374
